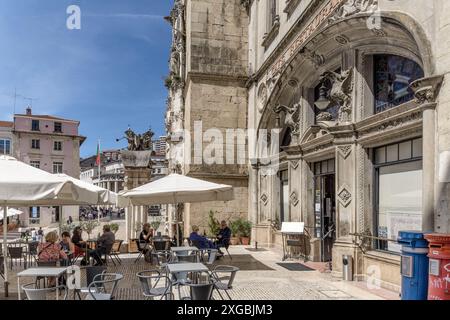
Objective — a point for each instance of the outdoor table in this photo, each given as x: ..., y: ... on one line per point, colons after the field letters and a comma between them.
x: 187, y: 267
x: 182, y: 249
x: 186, y: 249
x: 45, y: 272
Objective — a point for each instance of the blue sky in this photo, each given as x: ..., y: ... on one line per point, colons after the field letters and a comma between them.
x: 108, y: 75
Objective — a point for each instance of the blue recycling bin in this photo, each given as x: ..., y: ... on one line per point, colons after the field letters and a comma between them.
x: 414, y: 265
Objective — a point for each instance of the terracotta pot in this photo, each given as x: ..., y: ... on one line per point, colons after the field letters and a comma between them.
x: 245, y: 241
x: 234, y: 241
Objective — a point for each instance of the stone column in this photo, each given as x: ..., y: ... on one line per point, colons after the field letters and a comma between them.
x: 426, y: 91
x: 128, y: 213
x: 116, y: 186
x: 254, y: 194
x: 137, y: 172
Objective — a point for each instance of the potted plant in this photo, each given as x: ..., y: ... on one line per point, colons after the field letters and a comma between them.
x: 245, y: 231
x: 89, y: 226
x: 213, y: 224
x: 235, y: 227
x: 155, y: 224
x: 114, y: 227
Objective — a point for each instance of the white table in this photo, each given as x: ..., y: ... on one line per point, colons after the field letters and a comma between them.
x: 187, y: 267
x: 181, y: 249
x: 45, y: 272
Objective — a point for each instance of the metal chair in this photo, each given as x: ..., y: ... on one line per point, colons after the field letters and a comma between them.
x: 44, y: 264
x: 212, y: 254
x: 104, y: 286
x: 202, y: 288
x: 226, y: 244
x: 116, y: 251
x: 187, y: 259
x: 34, y: 293
x: 91, y: 273
x: 78, y: 253
x: 220, y: 273
x: 142, y: 246
x: 33, y: 251
x: 161, y: 245
x: 201, y: 251
x: 17, y: 254
x: 150, y: 279
x: 107, y: 255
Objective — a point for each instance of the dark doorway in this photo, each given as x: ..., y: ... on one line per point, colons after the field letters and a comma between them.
x: 325, y: 207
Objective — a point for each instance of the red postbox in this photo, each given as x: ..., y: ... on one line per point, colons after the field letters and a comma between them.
x: 439, y: 266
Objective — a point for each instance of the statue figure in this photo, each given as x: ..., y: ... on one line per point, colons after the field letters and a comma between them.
x: 132, y: 139
x: 351, y: 7
x: 138, y: 142
x: 146, y: 141
x: 341, y: 90
x: 175, y: 63
x: 291, y: 116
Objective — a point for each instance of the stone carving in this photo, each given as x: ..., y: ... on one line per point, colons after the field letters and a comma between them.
x: 426, y: 90
x: 176, y: 19
x: 341, y: 92
x: 316, y: 59
x: 344, y: 196
x: 262, y: 97
x: 352, y: 7
x: 176, y: 168
x: 294, y: 164
x: 246, y: 4
x: 264, y: 198
x: 270, y: 83
x: 391, y: 124
x: 291, y: 117
x: 324, y: 116
x: 342, y: 40
x: 138, y: 142
x: 345, y: 151
x: 294, y: 198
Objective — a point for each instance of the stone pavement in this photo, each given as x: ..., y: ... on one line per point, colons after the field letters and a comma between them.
x: 259, y: 278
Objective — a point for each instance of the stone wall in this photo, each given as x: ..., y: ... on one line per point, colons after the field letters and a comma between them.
x: 215, y: 94
x: 197, y: 213
x: 218, y: 40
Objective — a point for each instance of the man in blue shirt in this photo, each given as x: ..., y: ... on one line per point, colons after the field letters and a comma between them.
x: 203, y: 242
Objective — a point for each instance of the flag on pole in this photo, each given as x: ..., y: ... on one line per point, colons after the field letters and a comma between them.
x: 98, y: 159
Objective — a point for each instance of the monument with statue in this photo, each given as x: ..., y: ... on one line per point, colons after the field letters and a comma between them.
x: 137, y: 172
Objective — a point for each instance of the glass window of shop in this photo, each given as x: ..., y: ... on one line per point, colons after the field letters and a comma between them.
x: 398, y: 191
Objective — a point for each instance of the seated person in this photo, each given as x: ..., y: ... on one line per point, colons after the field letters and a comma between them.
x: 50, y: 251
x: 81, y: 245
x: 66, y: 243
x: 104, y: 243
x: 146, y: 233
x: 223, y: 238
x: 145, y: 236
x: 202, y: 241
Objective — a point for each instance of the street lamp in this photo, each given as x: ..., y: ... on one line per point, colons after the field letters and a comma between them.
x: 323, y: 102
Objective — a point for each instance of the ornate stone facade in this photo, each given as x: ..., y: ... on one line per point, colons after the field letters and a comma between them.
x: 274, y: 69
x: 338, y: 41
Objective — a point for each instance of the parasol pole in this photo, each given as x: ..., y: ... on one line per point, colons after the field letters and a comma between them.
x: 5, y: 247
